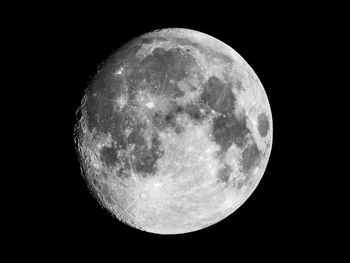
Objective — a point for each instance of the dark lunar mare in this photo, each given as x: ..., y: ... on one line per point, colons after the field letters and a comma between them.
x: 159, y: 68
x: 218, y: 95
x: 163, y: 120
x: 146, y: 159
x: 198, y: 111
x: 263, y: 124
x: 250, y: 157
x: 229, y: 129
x: 143, y: 158
x: 192, y: 110
x: 109, y: 155
x: 224, y: 174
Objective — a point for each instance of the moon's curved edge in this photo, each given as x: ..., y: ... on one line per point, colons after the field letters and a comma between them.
x: 213, y: 43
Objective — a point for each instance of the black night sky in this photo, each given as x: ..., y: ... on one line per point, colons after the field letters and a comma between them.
x: 74, y: 45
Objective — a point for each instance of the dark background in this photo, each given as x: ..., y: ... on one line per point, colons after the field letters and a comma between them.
x: 281, y: 46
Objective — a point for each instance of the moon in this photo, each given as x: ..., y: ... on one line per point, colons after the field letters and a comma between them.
x: 174, y: 132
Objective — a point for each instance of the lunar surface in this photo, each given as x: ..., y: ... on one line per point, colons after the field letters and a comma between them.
x: 174, y: 132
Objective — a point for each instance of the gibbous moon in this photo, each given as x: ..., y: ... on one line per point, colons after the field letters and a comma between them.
x: 174, y: 132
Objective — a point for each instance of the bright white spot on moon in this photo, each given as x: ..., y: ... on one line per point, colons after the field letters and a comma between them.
x: 150, y: 104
